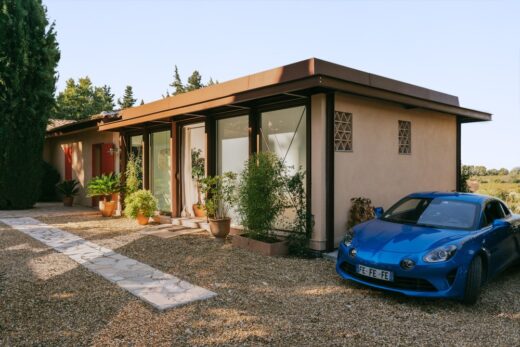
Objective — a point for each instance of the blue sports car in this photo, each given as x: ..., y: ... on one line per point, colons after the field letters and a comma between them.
x: 442, y: 245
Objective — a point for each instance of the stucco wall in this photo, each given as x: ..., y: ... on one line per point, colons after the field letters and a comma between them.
x: 318, y: 170
x: 81, y: 156
x: 375, y: 169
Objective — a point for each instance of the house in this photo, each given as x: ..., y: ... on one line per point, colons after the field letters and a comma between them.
x: 355, y: 134
x: 79, y: 151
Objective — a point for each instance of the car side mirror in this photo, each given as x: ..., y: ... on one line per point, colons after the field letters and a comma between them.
x: 500, y: 223
x: 379, y: 211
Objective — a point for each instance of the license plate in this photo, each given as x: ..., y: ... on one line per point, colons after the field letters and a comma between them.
x: 375, y: 273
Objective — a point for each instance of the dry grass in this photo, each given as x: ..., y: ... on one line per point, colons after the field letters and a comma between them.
x: 49, y: 300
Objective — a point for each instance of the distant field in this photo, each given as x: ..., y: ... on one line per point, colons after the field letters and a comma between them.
x: 504, y: 187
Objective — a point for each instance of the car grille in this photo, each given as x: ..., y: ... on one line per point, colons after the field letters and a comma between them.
x: 408, y: 283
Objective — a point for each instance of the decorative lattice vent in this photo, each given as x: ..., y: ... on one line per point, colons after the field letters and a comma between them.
x: 342, y: 131
x: 405, y: 137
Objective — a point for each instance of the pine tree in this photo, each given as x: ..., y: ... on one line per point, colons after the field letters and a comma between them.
x: 142, y: 102
x: 211, y: 82
x: 128, y: 98
x: 194, y: 82
x: 177, y: 83
x: 29, y: 56
x: 82, y: 99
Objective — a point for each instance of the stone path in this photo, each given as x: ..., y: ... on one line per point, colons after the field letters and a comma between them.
x: 159, y: 289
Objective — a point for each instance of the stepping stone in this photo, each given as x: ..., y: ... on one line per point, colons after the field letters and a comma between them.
x: 159, y: 289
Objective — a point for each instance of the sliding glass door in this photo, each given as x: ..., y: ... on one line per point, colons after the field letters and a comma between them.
x: 160, y: 168
x: 136, y: 153
x: 232, y: 143
x: 284, y: 132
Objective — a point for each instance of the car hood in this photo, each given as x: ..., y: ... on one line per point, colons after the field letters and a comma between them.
x: 378, y: 235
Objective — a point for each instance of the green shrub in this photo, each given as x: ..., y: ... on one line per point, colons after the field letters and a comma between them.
x: 141, y: 201
x: 465, y: 174
x: 261, y: 198
x: 133, y: 174
x: 302, y: 225
x: 50, y: 178
x: 220, y: 194
x: 68, y: 188
x: 104, y: 186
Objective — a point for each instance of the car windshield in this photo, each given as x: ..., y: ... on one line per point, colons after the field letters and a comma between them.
x: 437, y: 213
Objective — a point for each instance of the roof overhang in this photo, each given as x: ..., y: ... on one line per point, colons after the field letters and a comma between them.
x: 292, y: 80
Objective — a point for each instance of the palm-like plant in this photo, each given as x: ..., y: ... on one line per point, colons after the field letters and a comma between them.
x: 68, y: 188
x: 104, y: 186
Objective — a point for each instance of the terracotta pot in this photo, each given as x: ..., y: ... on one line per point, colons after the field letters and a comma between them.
x: 141, y: 219
x: 68, y: 200
x: 198, y: 210
x: 264, y: 248
x: 107, y: 208
x: 220, y: 227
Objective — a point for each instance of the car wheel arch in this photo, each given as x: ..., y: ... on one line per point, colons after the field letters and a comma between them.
x: 484, y: 255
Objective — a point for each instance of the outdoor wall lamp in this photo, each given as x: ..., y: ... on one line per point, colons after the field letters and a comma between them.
x: 114, y: 150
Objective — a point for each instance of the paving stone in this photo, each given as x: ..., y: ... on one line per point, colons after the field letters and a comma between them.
x: 159, y: 289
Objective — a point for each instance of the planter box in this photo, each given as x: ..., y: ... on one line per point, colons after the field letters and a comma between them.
x: 263, y: 248
x: 161, y: 219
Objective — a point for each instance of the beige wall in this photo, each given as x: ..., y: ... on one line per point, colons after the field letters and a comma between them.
x: 375, y: 170
x: 81, y: 156
x: 318, y: 170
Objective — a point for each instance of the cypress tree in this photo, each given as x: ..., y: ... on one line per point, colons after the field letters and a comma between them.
x: 29, y: 55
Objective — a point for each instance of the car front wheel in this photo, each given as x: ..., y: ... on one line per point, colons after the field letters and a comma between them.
x: 473, y: 281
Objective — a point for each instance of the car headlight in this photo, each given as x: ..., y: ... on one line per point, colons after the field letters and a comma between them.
x: 440, y: 254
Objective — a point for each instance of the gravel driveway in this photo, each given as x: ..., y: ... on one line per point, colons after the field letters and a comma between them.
x: 48, y: 299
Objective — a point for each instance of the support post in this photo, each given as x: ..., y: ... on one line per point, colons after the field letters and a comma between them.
x: 329, y: 172
x: 146, y: 159
x: 174, y: 144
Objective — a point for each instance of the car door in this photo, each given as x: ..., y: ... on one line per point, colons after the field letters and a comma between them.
x: 514, y: 232
x: 499, y: 240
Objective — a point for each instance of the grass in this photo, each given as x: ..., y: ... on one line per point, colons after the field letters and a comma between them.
x: 504, y: 187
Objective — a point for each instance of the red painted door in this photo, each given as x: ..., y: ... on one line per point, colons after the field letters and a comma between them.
x: 67, y: 150
x: 103, y: 162
x: 107, y: 158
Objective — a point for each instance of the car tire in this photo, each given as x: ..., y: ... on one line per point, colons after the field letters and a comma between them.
x: 473, y: 281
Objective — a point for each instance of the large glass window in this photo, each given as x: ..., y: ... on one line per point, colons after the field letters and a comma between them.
x: 232, y: 143
x: 284, y: 132
x: 160, y: 168
x: 136, y: 153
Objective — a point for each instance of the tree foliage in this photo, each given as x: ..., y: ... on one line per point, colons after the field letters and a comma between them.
x: 29, y: 56
x: 128, y: 98
x: 177, y: 84
x: 82, y: 99
x: 194, y: 82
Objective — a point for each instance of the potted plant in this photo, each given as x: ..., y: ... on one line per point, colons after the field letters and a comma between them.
x: 105, y: 186
x: 198, y: 168
x: 68, y: 188
x: 220, y: 195
x: 140, y: 205
x: 261, y: 201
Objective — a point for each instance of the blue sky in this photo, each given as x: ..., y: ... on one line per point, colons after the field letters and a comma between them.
x: 469, y: 49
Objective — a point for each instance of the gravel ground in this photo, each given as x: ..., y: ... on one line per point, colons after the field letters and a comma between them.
x: 48, y: 299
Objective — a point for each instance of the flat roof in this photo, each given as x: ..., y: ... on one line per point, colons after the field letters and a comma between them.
x: 60, y: 127
x: 310, y: 74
